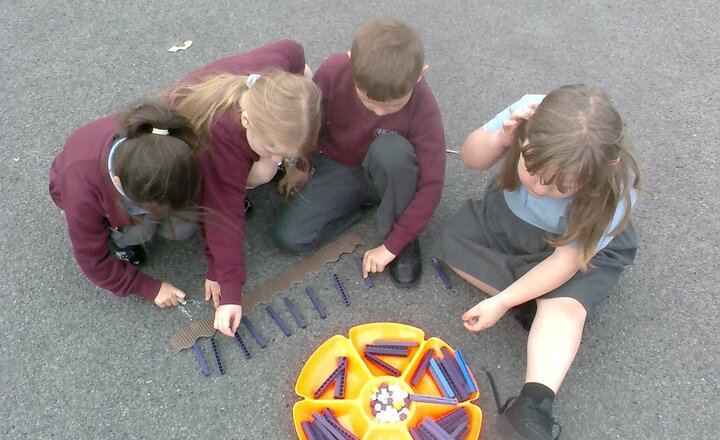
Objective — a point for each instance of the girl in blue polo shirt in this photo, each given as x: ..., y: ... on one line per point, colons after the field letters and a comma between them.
x: 553, y: 231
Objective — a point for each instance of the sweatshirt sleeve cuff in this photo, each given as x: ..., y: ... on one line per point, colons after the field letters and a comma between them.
x: 396, y: 244
x: 148, y: 288
x: 210, y: 274
x: 231, y: 293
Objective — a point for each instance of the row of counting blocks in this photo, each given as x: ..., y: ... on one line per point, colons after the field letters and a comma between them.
x: 201, y: 359
x: 279, y: 321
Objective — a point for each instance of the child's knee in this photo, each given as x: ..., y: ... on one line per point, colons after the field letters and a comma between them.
x: 287, y: 239
x: 261, y: 172
x: 565, y: 307
x: 392, y: 149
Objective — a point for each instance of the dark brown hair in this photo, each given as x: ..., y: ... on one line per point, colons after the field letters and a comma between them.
x: 158, y: 172
x: 577, y: 140
x: 387, y: 59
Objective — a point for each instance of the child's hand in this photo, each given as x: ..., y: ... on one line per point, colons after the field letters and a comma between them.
x: 294, y: 179
x: 376, y: 259
x: 168, y: 296
x: 227, y: 319
x: 212, y: 291
x: 484, y: 315
x: 510, y: 126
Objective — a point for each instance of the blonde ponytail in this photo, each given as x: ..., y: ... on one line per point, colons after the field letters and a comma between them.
x: 201, y: 102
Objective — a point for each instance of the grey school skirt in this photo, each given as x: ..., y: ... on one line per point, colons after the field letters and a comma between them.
x: 486, y: 240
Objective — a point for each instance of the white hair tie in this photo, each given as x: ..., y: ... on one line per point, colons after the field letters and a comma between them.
x: 250, y: 81
x: 160, y: 131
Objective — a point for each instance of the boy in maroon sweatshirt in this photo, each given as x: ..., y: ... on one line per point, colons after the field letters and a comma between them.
x: 382, y: 140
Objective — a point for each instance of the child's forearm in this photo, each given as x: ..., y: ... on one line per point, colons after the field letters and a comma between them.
x: 547, y: 276
x: 482, y: 149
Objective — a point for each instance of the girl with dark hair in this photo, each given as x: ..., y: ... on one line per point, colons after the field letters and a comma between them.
x: 120, y: 179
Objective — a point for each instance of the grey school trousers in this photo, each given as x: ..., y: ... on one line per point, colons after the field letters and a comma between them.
x: 332, y: 199
x: 173, y: 229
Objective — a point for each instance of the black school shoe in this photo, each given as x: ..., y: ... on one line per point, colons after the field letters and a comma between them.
x: 133, y: 254
x: 248, y: 206
x: 406, y: 268
x: 280, y: 174
x: 521, y: 418
x: 525, y: 313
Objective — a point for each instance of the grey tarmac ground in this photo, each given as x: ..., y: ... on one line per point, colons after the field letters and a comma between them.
x: 78, y: 363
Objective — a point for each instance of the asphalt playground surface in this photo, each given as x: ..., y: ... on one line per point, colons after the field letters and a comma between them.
x: 78, y: 363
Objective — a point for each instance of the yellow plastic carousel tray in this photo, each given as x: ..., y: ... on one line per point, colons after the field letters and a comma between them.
x: 363, y: 378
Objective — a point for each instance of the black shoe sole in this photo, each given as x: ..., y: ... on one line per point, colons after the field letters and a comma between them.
x: 506, y: 431
x: 407, y: 285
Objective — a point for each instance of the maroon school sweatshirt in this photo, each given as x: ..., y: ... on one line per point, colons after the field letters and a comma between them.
x: 80, y: 185
x: 349, y: 128
x: 226, y: 165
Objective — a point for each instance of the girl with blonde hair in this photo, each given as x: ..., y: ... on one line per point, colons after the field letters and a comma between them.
x: 251, y: 111
x: 553, y: 231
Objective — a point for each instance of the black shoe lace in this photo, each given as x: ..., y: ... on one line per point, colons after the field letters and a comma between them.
x: 538, y: 416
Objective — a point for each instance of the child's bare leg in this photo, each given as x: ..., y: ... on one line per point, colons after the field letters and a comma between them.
x: 261, y: 172
x: 554, y: 340
x: 476, y: 282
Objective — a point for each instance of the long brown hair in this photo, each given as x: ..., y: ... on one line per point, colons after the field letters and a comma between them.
x: 158, y: 172
x: 283, y: 108
x: 577, y: 140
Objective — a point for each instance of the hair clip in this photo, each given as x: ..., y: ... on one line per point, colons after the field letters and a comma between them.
x: 615, y: 161
x: 160, y: 131
x: 250, y: 81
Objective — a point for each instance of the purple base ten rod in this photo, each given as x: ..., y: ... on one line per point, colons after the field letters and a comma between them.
x: 368, y: 281
x: 441, y: 273
x: 201, y: 359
